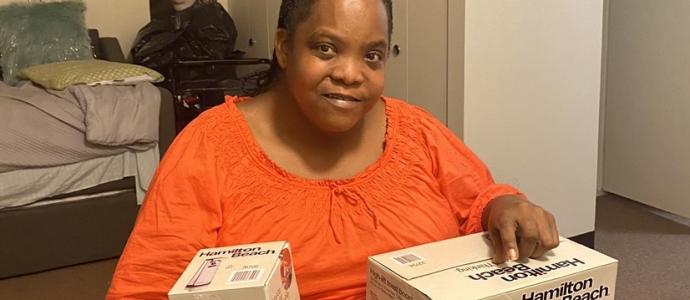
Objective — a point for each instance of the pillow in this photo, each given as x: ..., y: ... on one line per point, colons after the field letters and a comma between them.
x: 59, y: 75
x: 39, y: 33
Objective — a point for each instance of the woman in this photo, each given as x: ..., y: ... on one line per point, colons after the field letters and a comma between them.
x: 322, y: 160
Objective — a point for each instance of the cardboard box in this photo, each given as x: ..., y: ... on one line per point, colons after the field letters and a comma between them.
x: 461, y: 268
x: 250, y: 272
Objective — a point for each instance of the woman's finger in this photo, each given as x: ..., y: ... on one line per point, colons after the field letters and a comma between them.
x: 555, y: 238
x: 528, y: 231
x: 546, y: 242
x: 499, y: 256
x: 507, y: 229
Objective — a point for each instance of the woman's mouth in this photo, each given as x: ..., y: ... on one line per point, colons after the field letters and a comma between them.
x: 342, y: 101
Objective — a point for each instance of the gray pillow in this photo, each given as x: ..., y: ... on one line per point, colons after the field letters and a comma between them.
x: 39, y: 33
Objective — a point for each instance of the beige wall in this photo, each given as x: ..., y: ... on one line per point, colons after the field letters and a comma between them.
x: 118, y: 18
x: 456, y: 66
x: 532, y: 90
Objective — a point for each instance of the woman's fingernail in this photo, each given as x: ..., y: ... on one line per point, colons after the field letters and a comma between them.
x: 512, y: 254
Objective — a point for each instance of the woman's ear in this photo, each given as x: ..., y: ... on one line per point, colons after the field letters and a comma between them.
x: 281, y: 46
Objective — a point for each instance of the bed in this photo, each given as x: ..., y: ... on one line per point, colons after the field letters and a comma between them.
x: 72, y: 204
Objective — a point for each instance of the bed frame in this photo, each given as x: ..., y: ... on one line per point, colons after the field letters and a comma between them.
x: 51, y: 236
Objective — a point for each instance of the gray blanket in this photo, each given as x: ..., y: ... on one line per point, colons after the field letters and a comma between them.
x: 43, y: 128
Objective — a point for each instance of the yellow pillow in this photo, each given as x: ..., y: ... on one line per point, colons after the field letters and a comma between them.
x: 59, y: 75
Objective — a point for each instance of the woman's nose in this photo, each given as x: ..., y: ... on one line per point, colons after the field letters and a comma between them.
x: 348, y: 71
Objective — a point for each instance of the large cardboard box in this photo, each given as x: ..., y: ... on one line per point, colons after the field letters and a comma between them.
x: 249, y: 272
x: 461, y: 268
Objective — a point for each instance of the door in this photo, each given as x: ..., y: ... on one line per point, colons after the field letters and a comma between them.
x: 259, y: 41
x: 396, y: 66
x: 239, y: 11
x: 647, y: 129
x: 427, y: 56
x: 417, y: 68
x: 251, y: 19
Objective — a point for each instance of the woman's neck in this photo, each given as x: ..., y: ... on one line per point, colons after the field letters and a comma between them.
x: 298, y: 146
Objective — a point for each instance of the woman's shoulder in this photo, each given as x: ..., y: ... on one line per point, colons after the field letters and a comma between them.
x: 411, y: 116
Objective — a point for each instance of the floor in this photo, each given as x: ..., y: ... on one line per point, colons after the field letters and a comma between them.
x: 653, y: 248
x: 87, y: 281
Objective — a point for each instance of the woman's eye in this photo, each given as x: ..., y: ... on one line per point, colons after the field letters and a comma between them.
x: 325, y: 49
x: 374, y: 57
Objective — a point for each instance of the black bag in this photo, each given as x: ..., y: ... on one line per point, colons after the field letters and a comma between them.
x: 204, y: 31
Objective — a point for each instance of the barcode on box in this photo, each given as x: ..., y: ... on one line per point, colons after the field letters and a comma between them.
x: 245, y: 275
x: 408, y: 259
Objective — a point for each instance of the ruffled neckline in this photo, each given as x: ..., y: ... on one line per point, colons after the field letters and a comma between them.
x: 256, y: 153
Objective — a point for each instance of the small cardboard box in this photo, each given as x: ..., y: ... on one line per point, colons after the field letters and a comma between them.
x: 461, y: 268
x: 250, y: 272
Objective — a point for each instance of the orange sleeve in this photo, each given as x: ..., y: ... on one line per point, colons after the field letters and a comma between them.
x: 463, y: 178
x: 181, y: 214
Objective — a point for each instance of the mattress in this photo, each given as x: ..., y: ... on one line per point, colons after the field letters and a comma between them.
x: 25, y: 187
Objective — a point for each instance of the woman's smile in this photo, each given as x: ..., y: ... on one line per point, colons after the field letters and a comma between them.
x: 342, y: 101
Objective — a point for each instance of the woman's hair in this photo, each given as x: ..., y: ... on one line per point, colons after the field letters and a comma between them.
x: 292, y: 13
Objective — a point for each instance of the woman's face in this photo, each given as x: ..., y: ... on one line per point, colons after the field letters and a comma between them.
x: 334, y: 62
x: 180, y: 5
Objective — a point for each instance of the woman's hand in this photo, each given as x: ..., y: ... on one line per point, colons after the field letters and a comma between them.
x: 518, y: 228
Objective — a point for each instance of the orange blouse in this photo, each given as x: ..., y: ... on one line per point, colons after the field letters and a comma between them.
x: 216, y: 187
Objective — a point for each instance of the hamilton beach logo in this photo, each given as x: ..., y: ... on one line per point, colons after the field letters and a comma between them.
x: 569, y: 290
x: 238, y: 252
x: 520, y: 271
